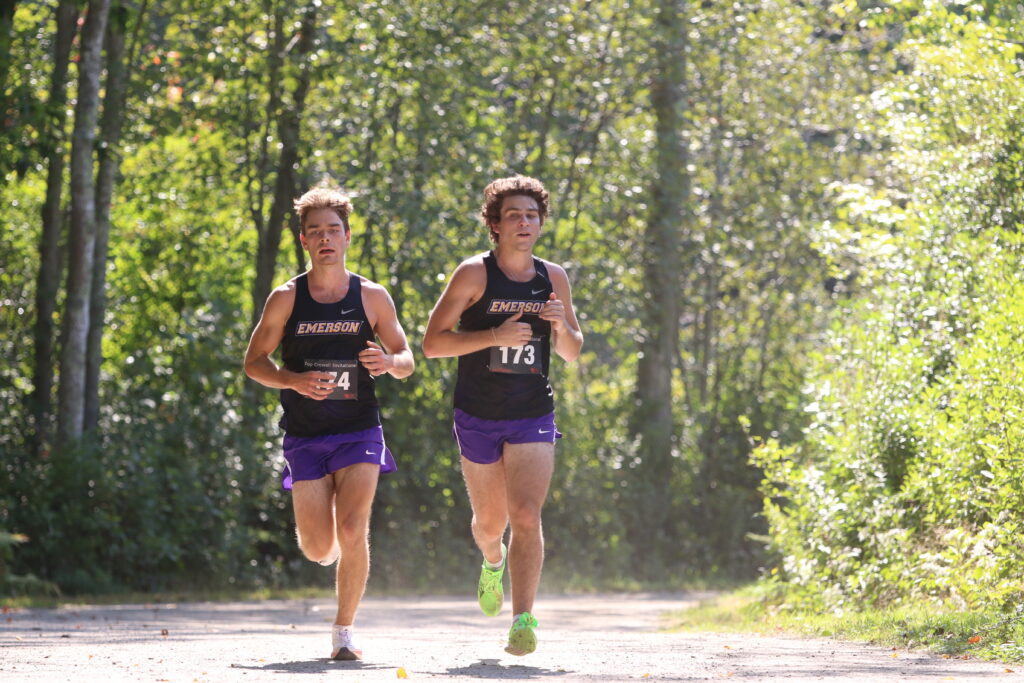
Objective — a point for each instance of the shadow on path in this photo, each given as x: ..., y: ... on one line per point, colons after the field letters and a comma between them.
x: 314, y: 666
x: 492, y: 668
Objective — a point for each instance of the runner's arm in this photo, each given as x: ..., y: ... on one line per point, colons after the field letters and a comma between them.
x: 264, y: 341
x: 442, y: 340
x: 566, y: 336
x: 393, y: 354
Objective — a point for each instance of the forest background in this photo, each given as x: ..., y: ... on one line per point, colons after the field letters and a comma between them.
x: 792, y: 227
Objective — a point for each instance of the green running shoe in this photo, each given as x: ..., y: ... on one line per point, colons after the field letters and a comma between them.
x: 489, y: 591
x: 521, y: 639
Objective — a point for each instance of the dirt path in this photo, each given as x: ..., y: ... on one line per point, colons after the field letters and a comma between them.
x: 592, y: 638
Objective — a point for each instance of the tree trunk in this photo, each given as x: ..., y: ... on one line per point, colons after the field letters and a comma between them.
x: 71, y: 394
x: 670, y: 187
x: 258, y: 185
x: 289, y: 121
x: 300, y: 253
x: 48, y: 278
x: 106, y: 177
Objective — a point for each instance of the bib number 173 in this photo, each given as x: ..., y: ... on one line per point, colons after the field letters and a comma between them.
x: 519, y: 360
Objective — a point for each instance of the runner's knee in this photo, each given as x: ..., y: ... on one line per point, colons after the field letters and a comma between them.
x: 317, y: 549
x: 352, y: 530
x: 525, y: 517
x: 489, y: 526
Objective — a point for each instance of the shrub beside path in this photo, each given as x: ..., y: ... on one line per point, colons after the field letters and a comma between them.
x: 582, y: 638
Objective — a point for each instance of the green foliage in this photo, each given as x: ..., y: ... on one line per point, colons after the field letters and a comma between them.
x: 17, y: 584
x: 905, y: 486
x: 763, y: 608
x: 24, y: 81
x: 413, y: 108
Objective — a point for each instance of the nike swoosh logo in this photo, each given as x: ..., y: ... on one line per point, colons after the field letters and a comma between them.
x: 535, y: 292
x: 370, y: 453
x: 344, y: 312
x: 543, y: 431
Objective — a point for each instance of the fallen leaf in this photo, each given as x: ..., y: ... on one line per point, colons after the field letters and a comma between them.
x: 164, y: 632
x: 974, y: 639
x: 727, y: 647
x: 1009, y: 671
x: 401, y: 673
x: 894, y: 655
x: 18, y: 638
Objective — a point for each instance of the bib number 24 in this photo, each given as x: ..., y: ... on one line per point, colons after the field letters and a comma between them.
x: 343, y: 377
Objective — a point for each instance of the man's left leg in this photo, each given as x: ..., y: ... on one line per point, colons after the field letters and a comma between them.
x: 528, y: 469
x: 354, y: 488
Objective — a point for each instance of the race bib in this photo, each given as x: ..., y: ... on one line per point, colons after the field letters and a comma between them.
x: 345, y: 377
x: 517, y: 360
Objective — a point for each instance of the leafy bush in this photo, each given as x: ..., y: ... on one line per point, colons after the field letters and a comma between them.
x: 907, y: 482
x: 19, y: 584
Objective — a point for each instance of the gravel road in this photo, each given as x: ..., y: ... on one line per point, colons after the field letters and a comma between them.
x: 581, y: 638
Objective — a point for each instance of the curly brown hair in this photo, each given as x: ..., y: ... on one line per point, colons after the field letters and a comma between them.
x: 323, y: 197
x: 517, y: 185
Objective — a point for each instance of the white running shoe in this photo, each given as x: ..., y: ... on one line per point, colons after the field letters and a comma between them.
x: 343, y: 645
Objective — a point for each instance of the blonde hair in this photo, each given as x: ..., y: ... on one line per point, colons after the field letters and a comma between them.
x: 323, y: 197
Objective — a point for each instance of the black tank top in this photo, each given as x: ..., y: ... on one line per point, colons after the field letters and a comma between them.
x: 503, y: 383
x: 327, y: 337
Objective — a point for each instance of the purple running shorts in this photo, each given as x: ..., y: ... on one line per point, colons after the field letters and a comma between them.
x: 481, y: 441
x: 313, y: 457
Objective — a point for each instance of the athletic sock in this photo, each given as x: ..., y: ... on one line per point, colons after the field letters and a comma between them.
x: 491, y: 565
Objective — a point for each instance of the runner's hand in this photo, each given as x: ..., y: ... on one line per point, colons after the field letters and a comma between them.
x: 315, y: 385
x: 512, y: 333
x: 554, y: 312
x: 375, y: 360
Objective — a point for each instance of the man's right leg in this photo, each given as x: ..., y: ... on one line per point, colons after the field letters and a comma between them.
x: 355, y: 486
x: 528, y: 469
x: 486, y: 487
x: 313, y: 502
